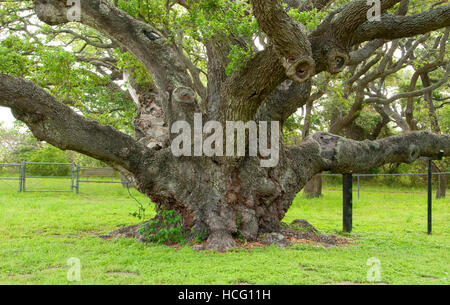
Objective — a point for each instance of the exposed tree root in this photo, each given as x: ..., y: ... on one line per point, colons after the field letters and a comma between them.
x: 299, y: 231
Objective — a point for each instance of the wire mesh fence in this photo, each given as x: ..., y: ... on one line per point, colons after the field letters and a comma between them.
x: 33, y: 172
x: 416, y: 182
x: 30, y: 176
x: 33, y: 177
x: 11, y: 172
x: 348, y: 189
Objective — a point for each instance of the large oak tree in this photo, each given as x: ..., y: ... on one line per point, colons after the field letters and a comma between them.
x: 221, y: 196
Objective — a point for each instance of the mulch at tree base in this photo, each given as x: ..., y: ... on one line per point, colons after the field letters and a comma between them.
x: 310, y: 236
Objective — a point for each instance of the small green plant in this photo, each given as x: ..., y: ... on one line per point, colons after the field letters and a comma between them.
x: 200, y: 237
x: 140, y: 212
x: 165, y: 228
x: 238, y: 224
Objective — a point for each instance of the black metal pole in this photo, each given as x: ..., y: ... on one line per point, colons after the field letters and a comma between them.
x: 347, y: 186
x: 430, y: 185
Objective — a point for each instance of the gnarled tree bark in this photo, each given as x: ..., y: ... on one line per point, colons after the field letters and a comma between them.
x: 222, y: 198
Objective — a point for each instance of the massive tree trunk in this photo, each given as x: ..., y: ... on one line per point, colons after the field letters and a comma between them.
x: 225, y: 196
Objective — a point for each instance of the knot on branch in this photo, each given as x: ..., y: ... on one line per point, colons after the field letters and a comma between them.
x: 328, y: 144
x: 413, y: 153
x: 337, y: 60
x: 299, y: 70
x: 184, y: 95
x: 328, y: 54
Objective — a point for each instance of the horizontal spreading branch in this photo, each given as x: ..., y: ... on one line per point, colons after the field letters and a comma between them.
x: 57, y: 124
x: 391, y: 27
x: 343, y: 155
x: 348, y: 18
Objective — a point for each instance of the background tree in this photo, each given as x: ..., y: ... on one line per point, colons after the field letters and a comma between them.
x: 203, y: 56
x: 357, y: 106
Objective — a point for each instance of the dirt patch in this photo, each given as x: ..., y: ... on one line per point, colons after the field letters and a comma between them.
x: 298, y: 232
x: 24, y: 276
x: 358, y: 284
x: 89, y: 232
x: 123, y: 273
x: 308, y: 237
x: 55, y: 267
x: 301, y: 231
x: 430, y: 278
x: 127, y: 232
x: 308, y: 269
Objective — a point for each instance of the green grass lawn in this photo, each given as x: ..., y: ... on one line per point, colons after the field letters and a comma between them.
x: 39, y: 232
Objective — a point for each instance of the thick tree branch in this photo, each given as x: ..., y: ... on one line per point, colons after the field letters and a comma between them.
x: 343, y: 155
x: 288, y: 36
x: 57, y: 124
x: 139, y: 38
x: 284, y: 101
x: 351, y: 16
x: 330, y: 43
x: 392, y: 27
x: 307, y: 5
x: 244, y: 92
x: 365, y: 52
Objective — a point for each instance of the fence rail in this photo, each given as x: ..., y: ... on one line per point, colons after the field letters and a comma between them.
x: 347, y: 184
x: 75, y: 176
x: 358, y: 176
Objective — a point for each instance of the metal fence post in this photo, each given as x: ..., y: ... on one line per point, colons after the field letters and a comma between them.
x: 358, y: 185
x: 21, y: 177
x: 73, y: 176
x: 24, y: 177
x: 347, y: 185
x: 77, y: 183
x: 439, y: 185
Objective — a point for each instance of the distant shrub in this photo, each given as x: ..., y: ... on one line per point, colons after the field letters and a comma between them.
x: 48, y: 154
